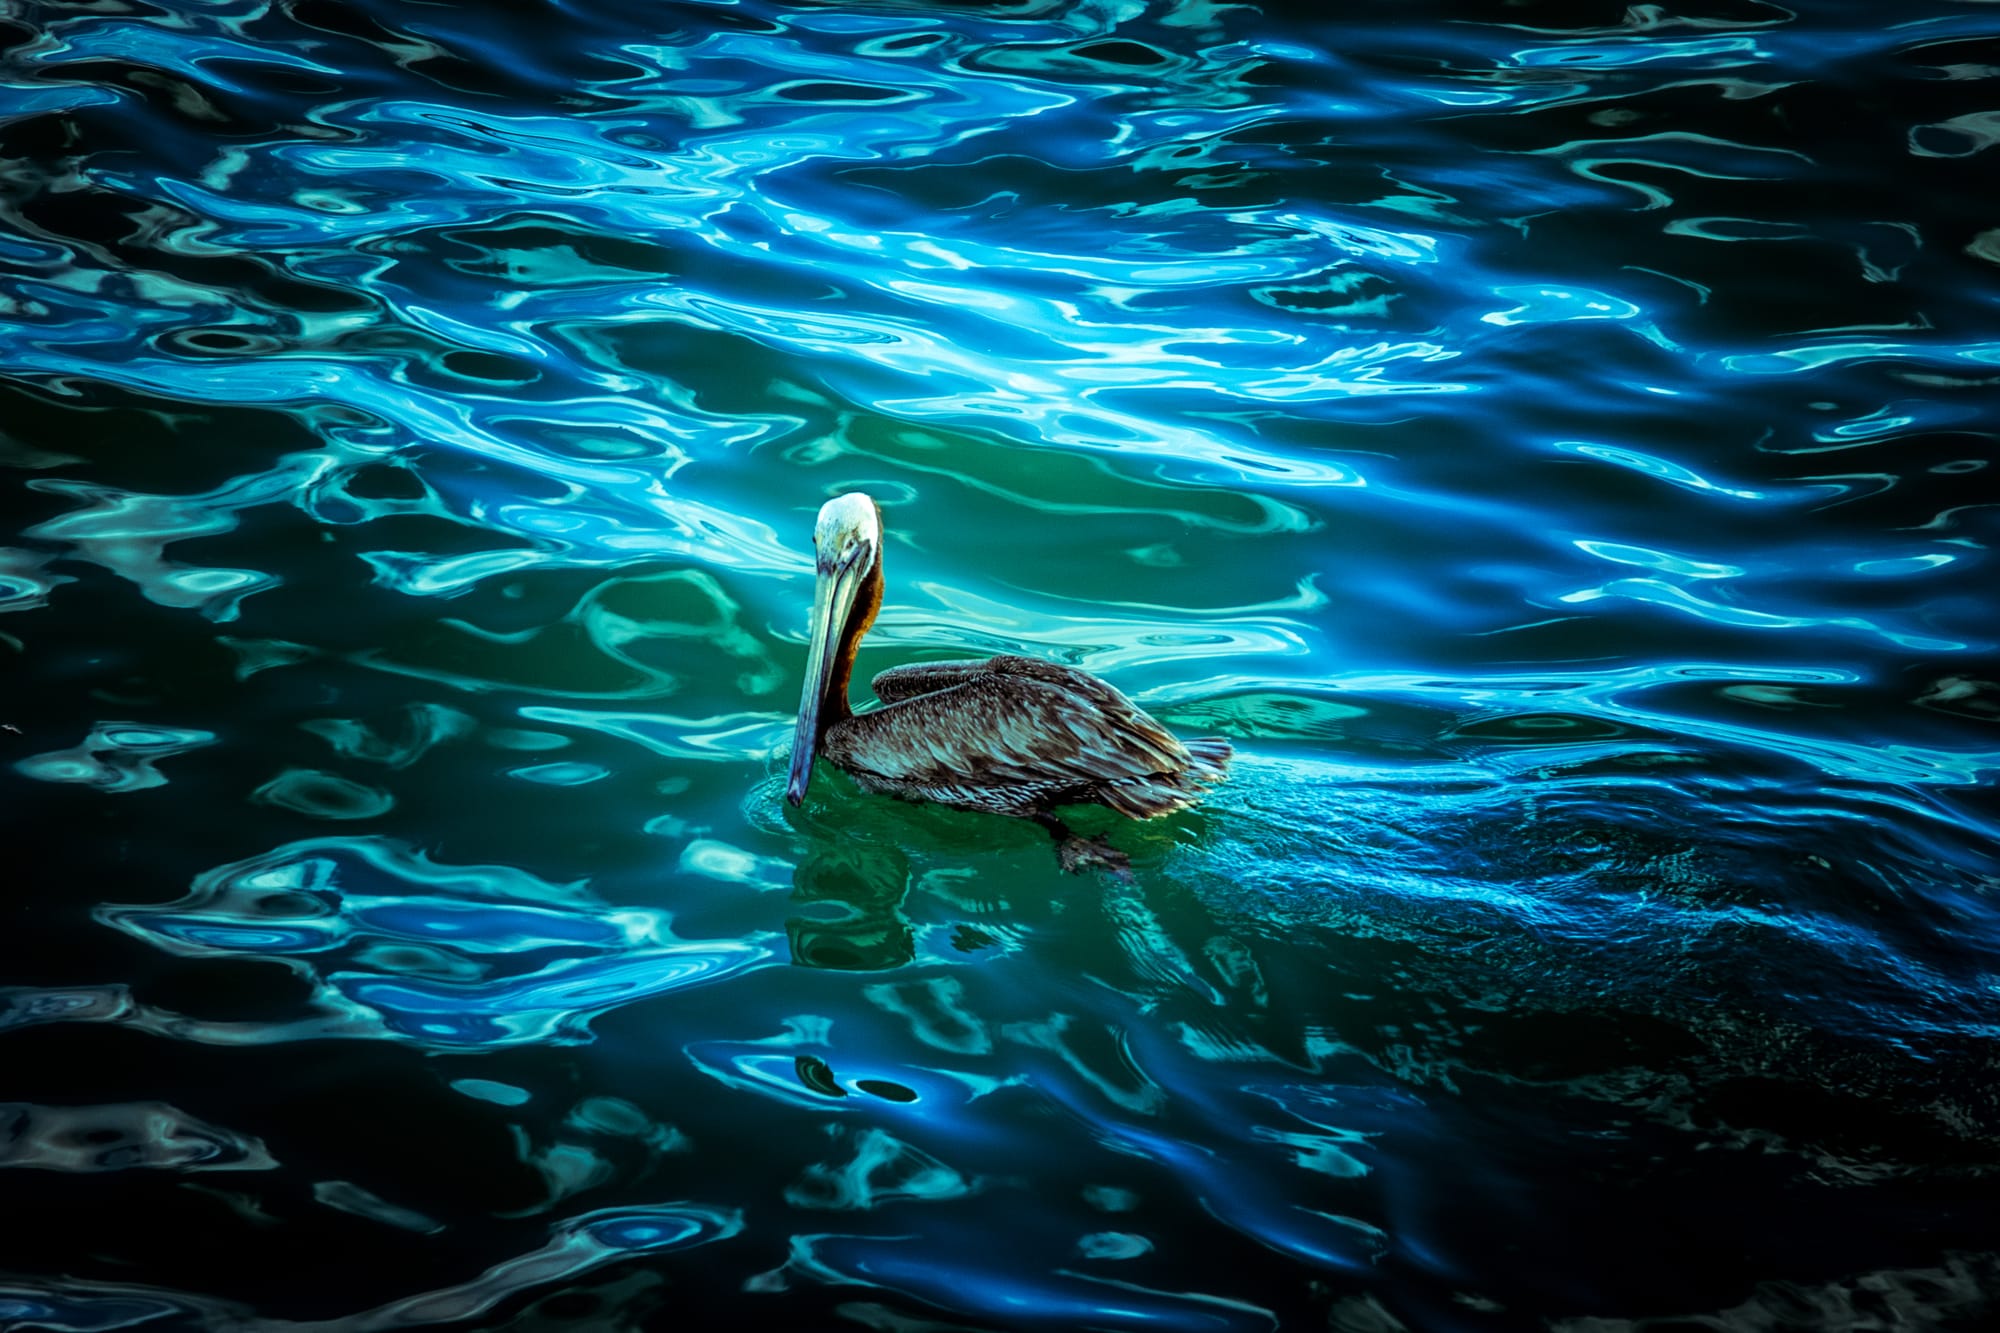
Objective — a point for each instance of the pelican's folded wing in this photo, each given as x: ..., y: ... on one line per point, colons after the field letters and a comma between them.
x: 907, y: 682
x: 1009, y: 729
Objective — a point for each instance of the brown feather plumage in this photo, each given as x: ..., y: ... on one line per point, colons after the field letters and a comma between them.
x: 1015, y: 735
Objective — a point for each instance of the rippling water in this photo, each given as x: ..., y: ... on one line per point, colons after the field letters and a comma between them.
x: 1551, y: 440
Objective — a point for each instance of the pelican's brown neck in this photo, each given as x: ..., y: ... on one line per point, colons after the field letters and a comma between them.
x: 867, y: 603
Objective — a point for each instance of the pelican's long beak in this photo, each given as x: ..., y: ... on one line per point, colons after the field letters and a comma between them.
x: 833, y: 603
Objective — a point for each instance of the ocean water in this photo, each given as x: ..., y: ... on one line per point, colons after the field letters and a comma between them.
x: 1552, y: 440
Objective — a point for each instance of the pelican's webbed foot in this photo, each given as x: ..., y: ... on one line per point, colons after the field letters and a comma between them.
x: 1077, y: 854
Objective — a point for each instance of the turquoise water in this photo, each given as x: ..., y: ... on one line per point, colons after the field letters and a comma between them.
x: 1550, y: 441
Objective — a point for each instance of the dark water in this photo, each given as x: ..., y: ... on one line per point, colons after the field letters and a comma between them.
x: 1553, y: 440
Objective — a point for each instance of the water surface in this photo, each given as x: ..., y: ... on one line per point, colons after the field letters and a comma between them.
x: 1551, y: 441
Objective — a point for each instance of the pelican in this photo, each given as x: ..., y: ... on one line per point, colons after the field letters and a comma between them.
x: 1008, y: 735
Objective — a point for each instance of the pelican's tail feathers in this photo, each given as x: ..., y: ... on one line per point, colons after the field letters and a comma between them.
x: 1143, y: 798
x: 1160, y: 793
x: 1210, y: 756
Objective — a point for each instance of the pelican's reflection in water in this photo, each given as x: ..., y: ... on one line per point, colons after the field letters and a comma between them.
x: 849, y: 890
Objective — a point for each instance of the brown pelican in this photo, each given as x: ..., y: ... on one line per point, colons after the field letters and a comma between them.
x: 1008, y: 735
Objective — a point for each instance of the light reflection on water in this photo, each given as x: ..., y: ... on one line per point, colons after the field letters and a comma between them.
x: 1550, y: 449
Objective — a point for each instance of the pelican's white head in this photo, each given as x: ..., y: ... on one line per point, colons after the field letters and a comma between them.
x: 847, y: 553
x: 848, y: 526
